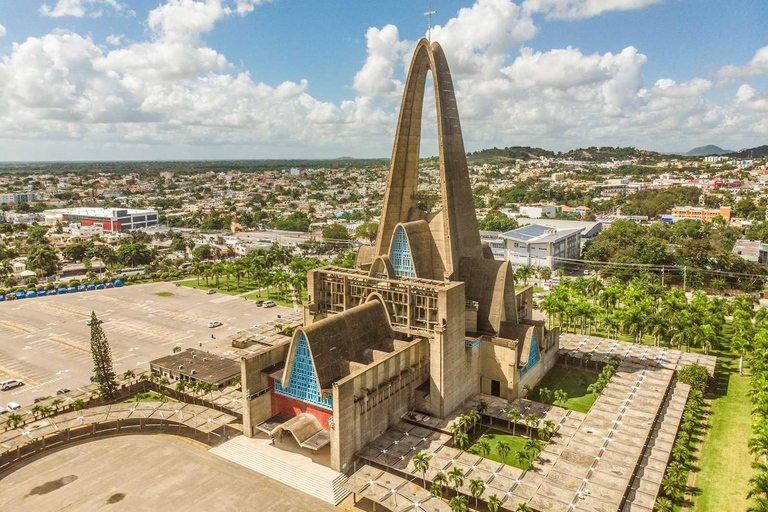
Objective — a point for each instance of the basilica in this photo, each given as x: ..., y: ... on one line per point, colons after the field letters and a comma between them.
x: 426, y: 320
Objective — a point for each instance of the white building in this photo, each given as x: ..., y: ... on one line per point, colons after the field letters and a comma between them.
x: 538, y: 212
x: 110, y: 219
x: 18, y: 197
x: 535, y: 245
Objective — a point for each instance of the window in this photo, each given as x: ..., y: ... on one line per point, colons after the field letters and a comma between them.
x: 303, y: 383
x: 401, y: 255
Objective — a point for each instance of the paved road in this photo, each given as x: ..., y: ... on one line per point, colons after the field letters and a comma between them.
x: 145, y: 473
x: 45, y: 341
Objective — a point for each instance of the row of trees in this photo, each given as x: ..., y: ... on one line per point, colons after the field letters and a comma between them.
x: 758, y: 443
x: 646, y: 309
x: 674, y: 481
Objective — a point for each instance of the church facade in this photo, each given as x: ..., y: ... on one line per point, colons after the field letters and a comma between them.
x: 425, y: 321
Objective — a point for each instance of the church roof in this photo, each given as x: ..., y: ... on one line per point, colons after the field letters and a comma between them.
x: 340, y: 341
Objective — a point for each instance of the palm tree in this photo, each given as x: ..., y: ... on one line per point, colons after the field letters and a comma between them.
x: 514, y: 416
x: 663, y: 505
x: 477, y: 488
x: 78, y: 404
x: 523, y: 458
x: 531, y: 421
x: 456, y: 476
x: 502, y: 447
x: 56, y: 403
x: 526, y: 389
x: 484, y: 447
x: 421, y: 464
x: 37, y: 410
x: 440, y: 480
x: 560, y: 396
x: 494, y: 503
x: 129, y: 375
x: 522, y: 507
x: 181, y: 387
x: 458, y: 504
x: 671, y: 487
x: 740, y: 344
x: 474, y: 417
x: 545, y: 394
x: 436, y: 490
x: 460, y: 440
x: 14, y: 420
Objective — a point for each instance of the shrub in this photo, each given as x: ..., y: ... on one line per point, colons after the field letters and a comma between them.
x: 695, y: 375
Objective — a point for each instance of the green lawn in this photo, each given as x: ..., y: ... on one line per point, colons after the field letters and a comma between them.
x: 164, y: 294
x: 724, y: 466
x: 245, y: 286
x: 574, y: 382
x: 283, y: 299
x: 516, y: 444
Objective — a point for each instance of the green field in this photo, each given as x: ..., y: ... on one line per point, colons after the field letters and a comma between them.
x: 493, y: 437
x: 574, y: 382
x: 724, y: 466
x: 164, y: 294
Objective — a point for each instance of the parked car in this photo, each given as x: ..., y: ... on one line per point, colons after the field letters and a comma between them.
x: 215, y: 323
x: 40, y: 399
x: 259, y: 303
x: 3, y: 410
x: 13, y: 406
x: 210, y: 292
x: 10, y: 384
x: 268, y: 304
x: 62, y: 391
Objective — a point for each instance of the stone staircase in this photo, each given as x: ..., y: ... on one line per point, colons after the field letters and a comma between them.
x: 289, y: 468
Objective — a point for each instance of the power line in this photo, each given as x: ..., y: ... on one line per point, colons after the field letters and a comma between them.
x: 664, y: 268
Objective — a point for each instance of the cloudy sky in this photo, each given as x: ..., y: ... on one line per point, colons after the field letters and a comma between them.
x: 220, y: 79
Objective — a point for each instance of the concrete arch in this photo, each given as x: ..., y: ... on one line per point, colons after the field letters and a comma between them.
x: 459, y: 236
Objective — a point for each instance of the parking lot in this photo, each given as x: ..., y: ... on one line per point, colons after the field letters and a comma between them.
x: 45, y: 341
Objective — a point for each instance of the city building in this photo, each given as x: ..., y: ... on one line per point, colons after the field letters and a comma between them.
x: 539, y: 211
x: 540, y: 246
x: 590, y: 228
x: 752, y: 250
x: 426, y: 320
x: 698, y: 213
x: 110, y: 219
x: 18, y: 197
x: 193, y: 365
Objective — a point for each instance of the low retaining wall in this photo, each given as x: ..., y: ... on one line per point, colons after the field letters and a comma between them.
x: 109, y: 428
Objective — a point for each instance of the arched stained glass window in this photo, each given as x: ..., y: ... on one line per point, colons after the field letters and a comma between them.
x: 303, y: 383
x: 533, y: 355
x: 402, y: 261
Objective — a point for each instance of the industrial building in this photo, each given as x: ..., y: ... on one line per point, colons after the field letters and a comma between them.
x: 113, y: 220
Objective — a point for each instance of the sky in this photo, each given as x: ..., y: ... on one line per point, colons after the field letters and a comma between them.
x: 238, y: 79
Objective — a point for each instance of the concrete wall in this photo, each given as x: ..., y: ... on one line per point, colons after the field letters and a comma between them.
x: 368, y: 403
x: 498, y: 362
x: 257, y: 386
x: 454, y: 368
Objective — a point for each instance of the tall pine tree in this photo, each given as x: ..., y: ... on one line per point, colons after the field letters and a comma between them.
x: 102, y: 361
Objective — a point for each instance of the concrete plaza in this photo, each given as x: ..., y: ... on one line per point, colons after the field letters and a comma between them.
x: 45, y: 341
x: 145, y: 472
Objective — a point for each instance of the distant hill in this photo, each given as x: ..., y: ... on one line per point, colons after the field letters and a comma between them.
x: 709, y: 149
x: 608, y: 154
x: 508, y: 154
x: 758, y: 152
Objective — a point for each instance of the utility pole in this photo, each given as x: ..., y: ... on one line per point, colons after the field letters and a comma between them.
x: 662, y: 275
x: 685, y: 278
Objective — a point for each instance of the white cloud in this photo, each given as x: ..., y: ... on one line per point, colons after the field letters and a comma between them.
x: 79, y: 8
x: 2, y: 31
x: 243, y: 7
x: 385, y: 52
x: 114, y: 39
x: 757, y: 66
x: 576, y: 9
x: 172, y: 95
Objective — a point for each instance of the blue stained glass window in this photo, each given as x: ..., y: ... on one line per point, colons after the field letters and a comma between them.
x: 533, y: 355
x: 401, y: 255
x: 303, y: 383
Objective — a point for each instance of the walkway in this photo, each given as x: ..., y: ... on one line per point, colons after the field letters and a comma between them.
x: 293, y: 468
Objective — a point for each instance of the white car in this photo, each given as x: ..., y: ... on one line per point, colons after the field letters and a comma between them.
x: 210, y: 292
x: 268, y: 304
x: 10, y: 384
x: 215, y: 323
x: 13, y: 406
